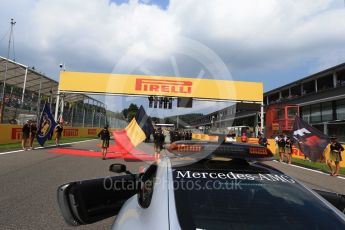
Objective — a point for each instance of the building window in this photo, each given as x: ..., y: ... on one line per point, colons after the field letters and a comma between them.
x: 309, y: 87
x: 324, y: 83
x: 319, y: 127
x: 279, y: 114
x: 296, y: 91
x: 292, y: 112
x: 341, y: 110
x: 326, y: 110
x: 315, y: 113
x: 285, y: 93
x: 273, y: 98
x: 337, y: 130
x: 341, y: 78
x: 305, y: 111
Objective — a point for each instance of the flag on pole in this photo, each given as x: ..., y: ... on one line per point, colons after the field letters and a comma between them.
x: 144, y: 122
x: 136, y: 131
x: 46, y: 125
x: 311, y: 141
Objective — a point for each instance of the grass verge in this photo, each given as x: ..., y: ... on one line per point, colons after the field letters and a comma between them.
x: 323, y: 167
x: 18, y: 146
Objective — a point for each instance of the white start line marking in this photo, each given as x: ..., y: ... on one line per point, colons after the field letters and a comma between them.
x: 48, y: 146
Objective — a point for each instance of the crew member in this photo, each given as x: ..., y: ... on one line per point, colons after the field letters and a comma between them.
x: 335, y: 155
x: 190, y: 135
x: 176, y: 135
x: 104, y: 134
x: 288, y: 149
x: 281, y: 147
x: 244, y: 138
x: 263, y: 140
x: 183, y: 135
x: 25, y: 135
x: 58, y: 133
x: 158, y: 142
x: 276, y: 144
x: 33, y: 133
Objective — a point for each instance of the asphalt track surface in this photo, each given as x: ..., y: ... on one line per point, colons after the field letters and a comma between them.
x: 29, y: 181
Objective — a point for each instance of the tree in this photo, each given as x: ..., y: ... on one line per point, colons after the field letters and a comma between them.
x: 125, y: 113
x: 155, y: 120
x: 130, y: 112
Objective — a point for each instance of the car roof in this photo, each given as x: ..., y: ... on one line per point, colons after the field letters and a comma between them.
x: 255, y: 179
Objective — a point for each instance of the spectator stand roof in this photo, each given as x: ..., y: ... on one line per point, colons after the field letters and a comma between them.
x: 27, y: 78
x: 24, y: 77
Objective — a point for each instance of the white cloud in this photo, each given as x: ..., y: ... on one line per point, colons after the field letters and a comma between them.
x: 249, y: 36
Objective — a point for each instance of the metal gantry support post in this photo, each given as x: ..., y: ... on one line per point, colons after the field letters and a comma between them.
x: 24, y: 85
x: 57, y: 105
x: 62, y: 106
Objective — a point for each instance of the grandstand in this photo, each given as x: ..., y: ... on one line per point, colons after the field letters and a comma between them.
x: 26, y: 92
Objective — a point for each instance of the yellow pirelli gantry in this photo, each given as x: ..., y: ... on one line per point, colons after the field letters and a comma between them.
x: 142, y: 85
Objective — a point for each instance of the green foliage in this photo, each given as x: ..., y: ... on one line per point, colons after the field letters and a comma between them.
x: 133, y: 107
x: 131, y: 115
x: 130, y: 112
x: 125, y: 113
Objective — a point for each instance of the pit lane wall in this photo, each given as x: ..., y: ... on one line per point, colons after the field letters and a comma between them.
x: 272, y: 146
x: 13, y: 133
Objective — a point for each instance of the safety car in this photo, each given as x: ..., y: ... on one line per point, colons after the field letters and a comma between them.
x: 205, y: 185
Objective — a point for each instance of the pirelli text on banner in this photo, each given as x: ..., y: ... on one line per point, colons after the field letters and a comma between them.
x: 125, y: 84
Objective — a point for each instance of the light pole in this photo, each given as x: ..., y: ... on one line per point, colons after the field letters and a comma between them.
x: 6, y: 67
x: 62, y: 68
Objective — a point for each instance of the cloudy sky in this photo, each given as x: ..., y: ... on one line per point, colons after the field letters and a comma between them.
x: 273, y: 41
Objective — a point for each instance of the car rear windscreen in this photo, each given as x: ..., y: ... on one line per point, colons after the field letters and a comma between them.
x: 225, y: 199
